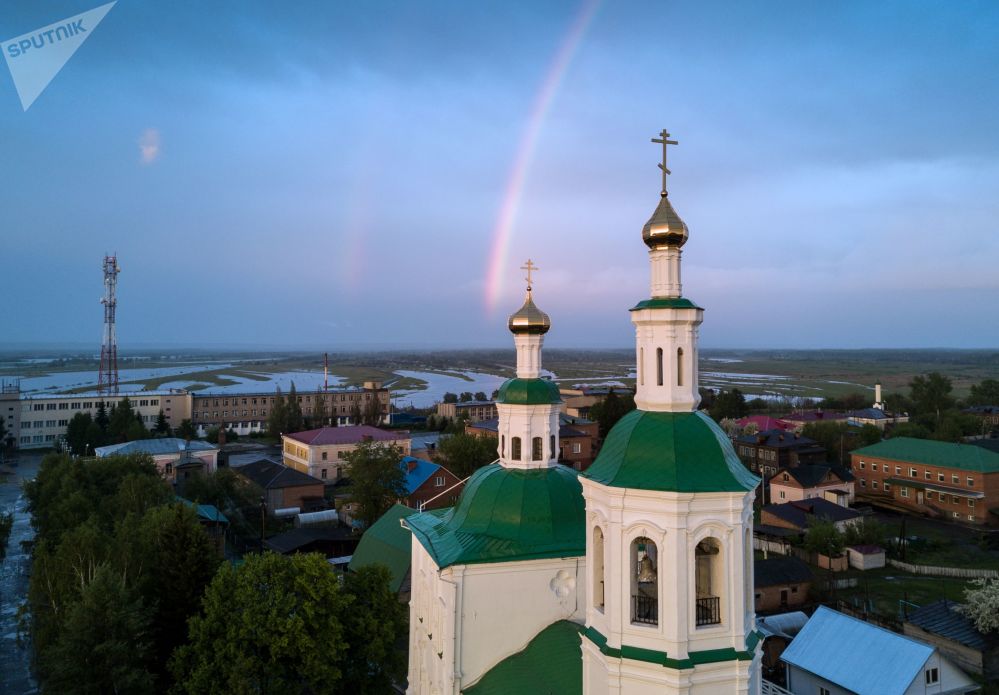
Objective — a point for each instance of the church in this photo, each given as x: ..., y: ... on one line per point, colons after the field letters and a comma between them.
x: 633, y: 577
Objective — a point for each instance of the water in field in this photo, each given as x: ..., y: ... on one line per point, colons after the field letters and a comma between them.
x: 439, y: 384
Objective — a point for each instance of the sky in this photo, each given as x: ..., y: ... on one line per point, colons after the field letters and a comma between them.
x: 329, y: 175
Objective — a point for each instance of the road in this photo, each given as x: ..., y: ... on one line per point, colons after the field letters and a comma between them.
x: 15, y: 670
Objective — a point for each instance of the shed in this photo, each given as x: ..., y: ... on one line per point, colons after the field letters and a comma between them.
x: 866, y: 557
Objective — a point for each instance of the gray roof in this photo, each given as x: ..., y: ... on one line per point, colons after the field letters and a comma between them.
x: 799, y: 512
x: 860, y: 657
x: 777, y: 571
x: 154, y: 447
x: 941, y: 618
x: 271, y: 475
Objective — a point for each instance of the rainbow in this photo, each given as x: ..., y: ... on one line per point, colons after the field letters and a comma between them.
x: 526, y: 151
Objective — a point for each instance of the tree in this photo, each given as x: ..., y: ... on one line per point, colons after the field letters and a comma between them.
x: 3, y: 434
x: 611, y: 409
x: 123, y: 425
x: 186, y: 430
x: 910, y: 429
x: 931, y: 393
x: 319, y: 415
x: 985, y: 393
x: 356, y: 417
x: 6, y: 524
x: 375, y: 623
x: 982, y: 604
x: 377, y: 480
x: 451, y: 397
x: 83, y: 434
x: 102, y: 419
x: 865, y: 531
x: 466, y: 396
x: 277, y: 422
x: 729, y: 404
x: 824, y: 538
x: 463, y: 454
x: 274, y: 625
x: 480, y: 396
x: 372, y: 411
x: 293, y: 411
x: 162, y: 427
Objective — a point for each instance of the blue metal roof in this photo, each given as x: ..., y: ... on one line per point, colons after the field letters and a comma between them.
x: 417, y: 472
x: 208, y: 512
x: 858, y: 656
x: 154, y: 447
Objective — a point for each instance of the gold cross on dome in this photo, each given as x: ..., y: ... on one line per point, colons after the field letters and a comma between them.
x: 530, y: 268
x: 664, y: 141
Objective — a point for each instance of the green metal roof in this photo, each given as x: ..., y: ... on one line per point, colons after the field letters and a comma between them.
x: 386, y: 543
x: 551, y: 664
x: 665, y: 303
x: 507, y: 514
x: 966, y: 457
x: 680, y: 452
x: 529, y: 392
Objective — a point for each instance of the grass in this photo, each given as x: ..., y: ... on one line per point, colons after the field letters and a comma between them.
x: 886, y: 587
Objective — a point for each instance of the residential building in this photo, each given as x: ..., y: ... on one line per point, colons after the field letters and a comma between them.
x: 812, y: 480
x: 876, y: 415
x: 763, y: 423
x: 989, y: 415
x: 766, y: 453
x: 335, y: 541
x: 798, y: 516
x: 429, y: 485
x: 322, y: 453
x: 176, y: 459
x: 247, y: 412
x: 284, y: 487
x: 941, y: 479
x: 943, y: 625
x: 781, y: 583
x: 797, y: 421
x: 44, y: 418
x: 835, y: 654
x: 10, y: 412
x: 577, y: 400
x: 578, y: 439
x: 470, y: 411
x: 388, y: 543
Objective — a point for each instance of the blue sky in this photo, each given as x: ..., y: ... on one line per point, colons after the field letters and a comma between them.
x: 331, y: 174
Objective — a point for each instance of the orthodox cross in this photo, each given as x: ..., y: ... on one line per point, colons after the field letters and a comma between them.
x: 529, y: 267
x: 664, y: 142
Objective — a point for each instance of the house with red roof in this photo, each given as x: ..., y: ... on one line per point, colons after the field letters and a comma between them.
x: 322, y: 453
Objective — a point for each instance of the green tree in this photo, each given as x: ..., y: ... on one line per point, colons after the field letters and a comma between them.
x: 985, y: 393
x: 83, y: 434
x: 865, y: 531
x: 3, y: 434
x: 123, y: 425
x: 931, y: 393
x: 102, y: 419
x: 103, y: 644
x: 294, y: 420
x: 320, y: 416
x: 982, y: 604
x: 823, y: 537
x: 450, y: 397
x: 237, y: 498
x: 162, y: 427
x: 463, y: 454
x: 6, y: 524
x: 277, y: 420
x: 377, y: 480
x: 275, y: 625
x: 729, y: 405
x: 466, y: 396
x: 375, y: 623
x: 611, y: 409
x: 910, y: 429
x: 186, y: 430
x: 480, y: 396
x: 356, y: 416
x: 372, y: 411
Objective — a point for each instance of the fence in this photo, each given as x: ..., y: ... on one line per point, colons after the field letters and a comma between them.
x: 944, y: 571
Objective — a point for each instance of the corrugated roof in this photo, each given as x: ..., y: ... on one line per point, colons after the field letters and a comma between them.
x: 799, y: 512
x: 154, y: 447
x: 417, y: 472
x: 208, y: 512
x: 941, y: 618
x: 858, y: 656
x: 386, y: 543
x: 682, y: 452
x: 778, y: 439
x: 350, y: 434
x: 780, y: 570
x: 966, y: 457
x: 550, y: 664
x: 271, y: 475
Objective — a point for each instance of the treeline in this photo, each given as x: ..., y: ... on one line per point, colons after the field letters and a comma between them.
x: 128, y: 594
x: 287, y: 415
x: 120, y: 423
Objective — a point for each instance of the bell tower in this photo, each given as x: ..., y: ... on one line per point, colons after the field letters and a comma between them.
x: 669, y: 513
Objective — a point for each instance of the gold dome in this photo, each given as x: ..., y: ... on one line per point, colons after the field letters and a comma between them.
x: 664, y: 228
x: 529, y: 318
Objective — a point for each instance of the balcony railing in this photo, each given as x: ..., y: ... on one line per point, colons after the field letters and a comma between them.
x: 708, y: 611
x: 645, y: 610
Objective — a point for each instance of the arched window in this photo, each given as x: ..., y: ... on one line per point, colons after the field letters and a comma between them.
x: 552, y: 448
x: 708, y: 581
x: 515, y: 448
x: 644, y: 582
x: 537, y: 452
x: 659, y: 366
x: 679, y: 366
x: 641, y: 366
x: 503, y: 445
x: 598, y: 569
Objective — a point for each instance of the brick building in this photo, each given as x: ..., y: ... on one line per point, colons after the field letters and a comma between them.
x: 322, y: 452
x: 578, y: 439
x: 429, y: 485
x: 284, y: 487
x: 781, y: 583
x: 940, y: 479
x: 766, y: 453
x: 471, y: 411
x: 812, y: 480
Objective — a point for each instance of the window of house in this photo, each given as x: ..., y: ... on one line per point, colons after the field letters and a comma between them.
x: 324, y: 473
x: 63, y: 423
x: 887, y: 487
x: 26, y: 425
x: 929, y: 475
x: 971, y: 503
x: 50, y: 423
x: 929, y: 494
x: 38, y: 406
x: 577, y: 447
x: 823, y: 691
x: 874, y: 484
x: 515, y: 448
x: 874, y: 467
x: 782, y: 495
x: 932, y: 676
x: 971, y: 482
x: 50, y: 406
x: 956, y: 479
x: 904, y: 492
x: 971, y: 517
x: 339, y: 454
x: 439, y: 481
x: 913, y: 473
x: 956, y: 515
x: 862, y: 465
x: 325, y: 455
x: 863, y: 483
x: 64, y: 406
x: 155, y: 401
x: 898, y: 470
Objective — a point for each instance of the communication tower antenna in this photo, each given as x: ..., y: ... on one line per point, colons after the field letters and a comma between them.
x: 107, y: 381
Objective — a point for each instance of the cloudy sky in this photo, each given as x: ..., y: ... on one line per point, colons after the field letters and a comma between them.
x: 335, y: 174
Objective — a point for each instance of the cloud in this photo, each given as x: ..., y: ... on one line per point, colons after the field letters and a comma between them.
x: 149, y: 146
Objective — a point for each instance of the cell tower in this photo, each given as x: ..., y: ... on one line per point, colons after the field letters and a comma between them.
x: 107, y: 381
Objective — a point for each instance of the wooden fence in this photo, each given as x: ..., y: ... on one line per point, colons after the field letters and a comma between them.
x: 944, y: 571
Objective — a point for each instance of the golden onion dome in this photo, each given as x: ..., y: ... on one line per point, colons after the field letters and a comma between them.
x: 529, y: 318
x: 664, y: 228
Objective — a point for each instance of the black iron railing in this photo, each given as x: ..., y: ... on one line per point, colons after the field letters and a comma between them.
x: 708, y: 611
x: 645, y: 609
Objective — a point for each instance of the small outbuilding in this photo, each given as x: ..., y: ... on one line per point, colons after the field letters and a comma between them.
x: 866, y: 557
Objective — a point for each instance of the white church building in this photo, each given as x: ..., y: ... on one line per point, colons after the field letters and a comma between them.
x: 633, y: 577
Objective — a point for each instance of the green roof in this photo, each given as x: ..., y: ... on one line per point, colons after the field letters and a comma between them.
x: 529, y: 392
x: 665, y: 303
x: 386, y: 543
x: 550, y: 664
x: 507, y: 514
x: 928, y: 452
x: 680, y: 452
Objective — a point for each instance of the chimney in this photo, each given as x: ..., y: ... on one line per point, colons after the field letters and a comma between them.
x: 411, y: 465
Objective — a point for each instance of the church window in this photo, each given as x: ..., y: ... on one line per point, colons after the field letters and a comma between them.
x: 503, y: 445
x: 641, y: 366
x: 598, y: 569
x: 644, y: 582
x: 679, y: 366
x: 536, y: 449
x: 659, y: 366
x: 552, y: 448
x: 708, y: 581
x: 515, y: 448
